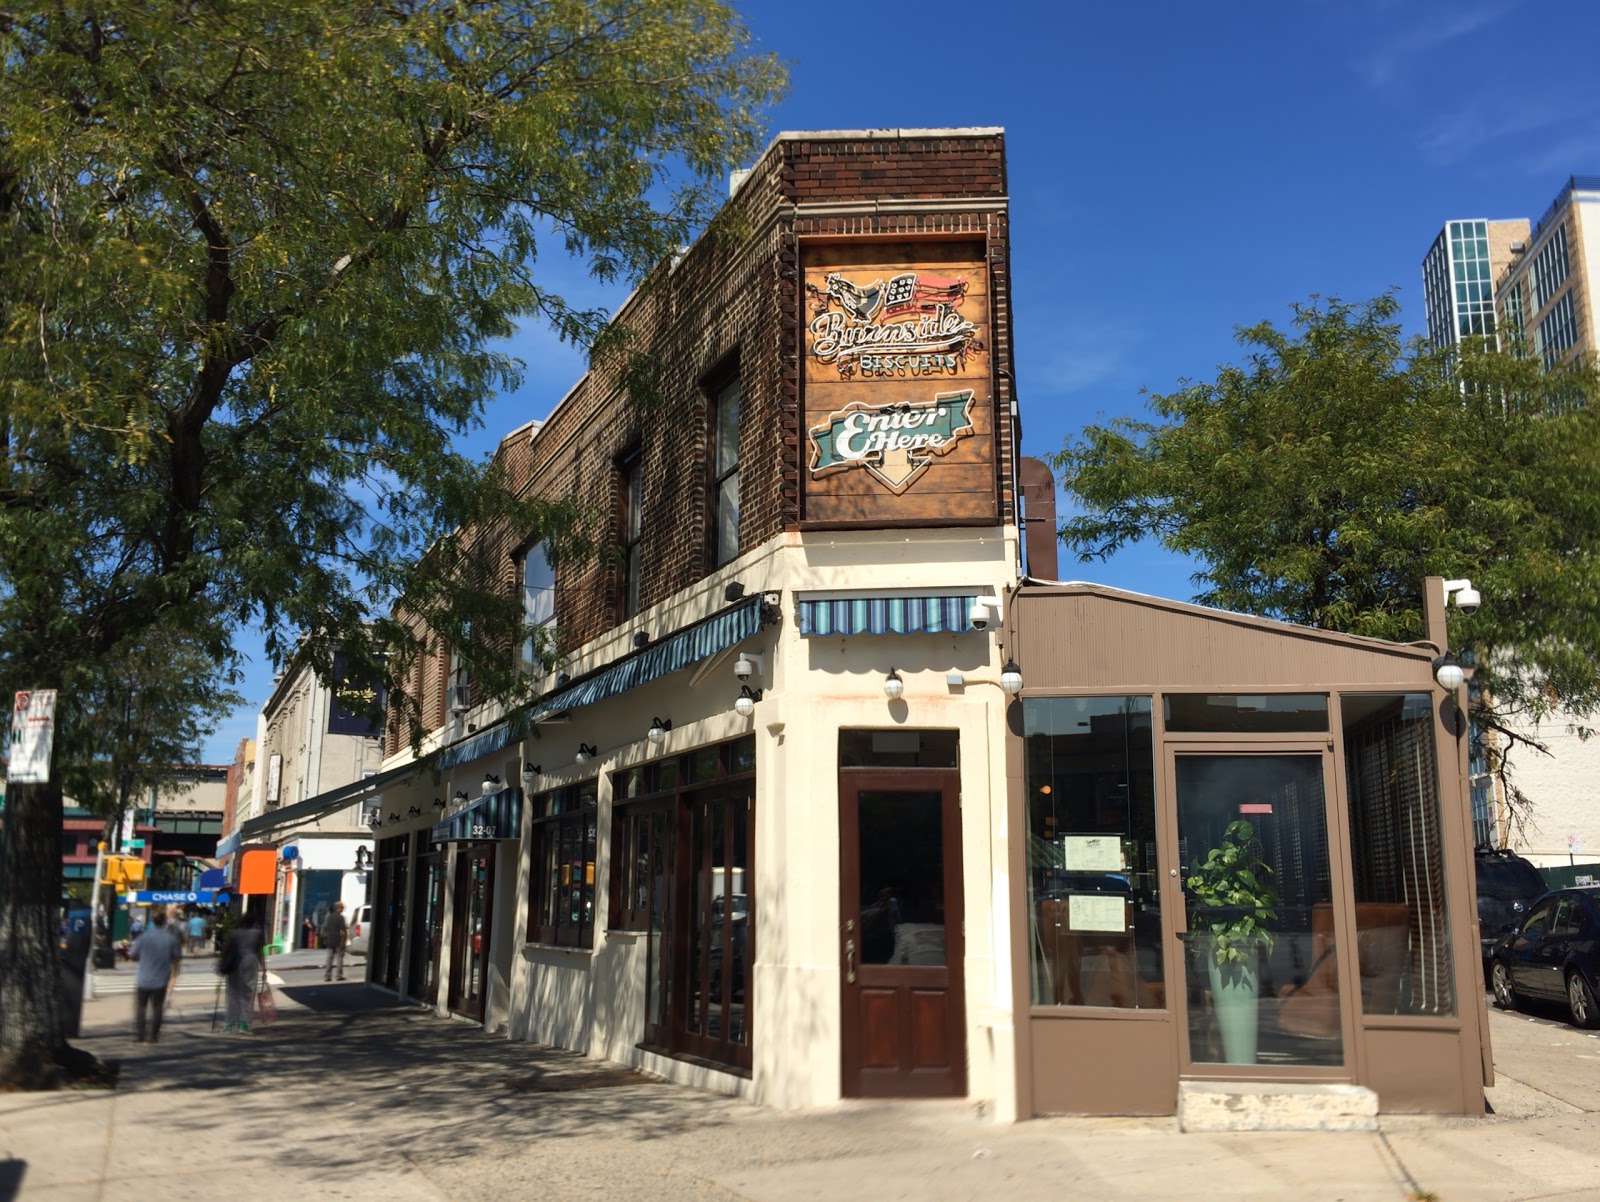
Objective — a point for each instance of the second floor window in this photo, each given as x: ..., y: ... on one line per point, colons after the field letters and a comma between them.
x: 459, y: 697
x: 538, y: 601
x: 632, y: 525
x: 725, y: 469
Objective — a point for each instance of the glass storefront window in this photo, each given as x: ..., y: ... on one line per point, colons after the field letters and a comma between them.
x: 562, y: 851
x: 1261, y: 958
x: 1397, y: 854
x: 1093, y: 898
x: 1244, y: 713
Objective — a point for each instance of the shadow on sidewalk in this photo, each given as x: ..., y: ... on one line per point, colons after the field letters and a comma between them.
x: 410, y: 1082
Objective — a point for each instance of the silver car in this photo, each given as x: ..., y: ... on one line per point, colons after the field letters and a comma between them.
x: 360, y: 931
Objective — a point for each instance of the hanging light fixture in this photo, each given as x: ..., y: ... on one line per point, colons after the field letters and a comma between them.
x: 745, y: 703
x: 1448, y: 672
x: 1011, y: 678
x: 893, y: 686
x: 490, y: 783
x: 658, y: 730
x: 586, y: 751
x: 531, y: 770
x: 460, y: 797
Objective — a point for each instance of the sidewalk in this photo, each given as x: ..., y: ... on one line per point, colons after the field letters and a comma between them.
x: 353, y: 1096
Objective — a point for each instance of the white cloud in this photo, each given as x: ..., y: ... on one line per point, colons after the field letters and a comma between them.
x: 1078, y: 359
x: 1488, y: 118
x: 1387, y: 59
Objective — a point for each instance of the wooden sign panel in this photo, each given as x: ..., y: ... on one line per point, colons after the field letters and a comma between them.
x: 897, y: 385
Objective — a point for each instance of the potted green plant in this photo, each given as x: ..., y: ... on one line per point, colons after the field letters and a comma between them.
x: 1233, y: 906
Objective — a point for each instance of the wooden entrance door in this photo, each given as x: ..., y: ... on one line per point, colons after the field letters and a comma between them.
x: 901, y: 942
x: 427, y: 925
x: 469, y: 939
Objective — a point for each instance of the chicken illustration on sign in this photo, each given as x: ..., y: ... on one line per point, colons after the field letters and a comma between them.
x: 907, y: 325
x: 894, y: 443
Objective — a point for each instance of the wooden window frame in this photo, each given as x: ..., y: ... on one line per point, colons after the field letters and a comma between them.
x: 631, y: 863
x: 630, y: 529
x: 557, y: 814
x: 727, y: 381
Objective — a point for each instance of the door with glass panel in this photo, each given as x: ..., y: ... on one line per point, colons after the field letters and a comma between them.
x: 712, y: 950
x: 427, y: 927
x: 901, y: 946
x: 469, y: 941
x: 1263, y: 982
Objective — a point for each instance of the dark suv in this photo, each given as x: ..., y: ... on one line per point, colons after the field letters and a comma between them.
x: 1507, y: 886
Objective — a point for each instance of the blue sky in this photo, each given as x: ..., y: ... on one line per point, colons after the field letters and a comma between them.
x: 1175, y: 171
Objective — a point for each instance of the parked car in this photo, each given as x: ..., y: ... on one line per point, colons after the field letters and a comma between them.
x: 1507, y: 886
x: 1553, y: 955
x: 360, y: 931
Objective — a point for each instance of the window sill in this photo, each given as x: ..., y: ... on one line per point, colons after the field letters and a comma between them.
x: 530, y: 950
x: 627, y: 932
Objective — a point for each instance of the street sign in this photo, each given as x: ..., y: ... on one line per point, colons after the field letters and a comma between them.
x: 135, y: 844
x: 33, y: 730
x: 174, y: 897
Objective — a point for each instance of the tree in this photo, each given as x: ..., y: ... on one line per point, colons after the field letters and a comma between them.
x: 1320, y: 480
x: 253, y: 263
x: 134, y: 722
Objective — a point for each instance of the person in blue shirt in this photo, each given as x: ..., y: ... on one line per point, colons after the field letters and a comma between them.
x: 157, y: 951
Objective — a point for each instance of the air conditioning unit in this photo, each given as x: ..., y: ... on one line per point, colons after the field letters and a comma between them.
x: 1518, y: 247
x: 460, y: 698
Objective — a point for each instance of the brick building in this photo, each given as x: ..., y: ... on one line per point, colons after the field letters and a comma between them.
x: 820, y: 492
x: 773, y: 825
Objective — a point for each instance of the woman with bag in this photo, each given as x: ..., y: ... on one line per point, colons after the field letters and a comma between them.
x: 240, y: 966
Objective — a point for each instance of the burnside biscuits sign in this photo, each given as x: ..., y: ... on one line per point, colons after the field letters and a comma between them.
x: 896, y: 389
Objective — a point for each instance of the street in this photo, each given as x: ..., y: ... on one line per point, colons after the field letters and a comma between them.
x: 351, y: 1095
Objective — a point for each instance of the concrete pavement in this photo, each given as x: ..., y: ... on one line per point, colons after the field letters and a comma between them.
x: 352, y: 1096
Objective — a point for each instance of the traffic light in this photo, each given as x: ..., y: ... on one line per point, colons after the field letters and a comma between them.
x: 123, y: 870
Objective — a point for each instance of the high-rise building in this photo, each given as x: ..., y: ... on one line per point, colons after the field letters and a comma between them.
x: 1458, y: 276
x: 1547, y: 297
x: 1536, y: 289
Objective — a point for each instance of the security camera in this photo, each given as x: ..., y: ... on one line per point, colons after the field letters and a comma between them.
x: 1463, y: 594
x: 978, y: 615
x: 742, y: 668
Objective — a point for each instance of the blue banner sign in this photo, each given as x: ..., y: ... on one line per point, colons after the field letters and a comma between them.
x: 177, y: 897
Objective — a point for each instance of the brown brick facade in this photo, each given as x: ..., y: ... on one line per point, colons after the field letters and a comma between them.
x: 735, y: 297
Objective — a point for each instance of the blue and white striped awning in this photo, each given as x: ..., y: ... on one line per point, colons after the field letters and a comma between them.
x: 886, y: 615
x: 495, y: 815
x: 677, y: 650
x: 464, y: 751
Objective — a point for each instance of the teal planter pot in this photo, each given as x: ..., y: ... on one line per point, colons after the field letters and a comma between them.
x: 1235, y: 1001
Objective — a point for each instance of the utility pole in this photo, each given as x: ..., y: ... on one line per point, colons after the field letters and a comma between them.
x: 97, y: 892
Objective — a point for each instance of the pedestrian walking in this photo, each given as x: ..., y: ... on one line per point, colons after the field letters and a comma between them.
x: 335, y: 932
x: 157, y: 951
x: 240, y: 966
x: 197, y: 933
